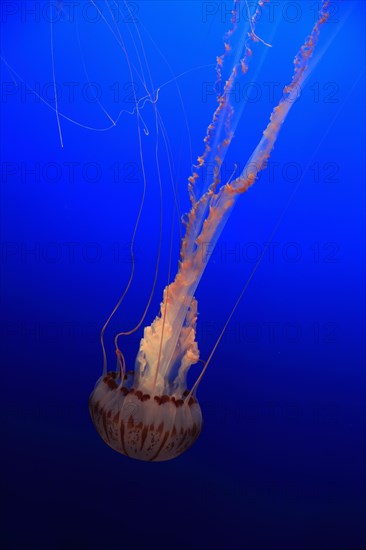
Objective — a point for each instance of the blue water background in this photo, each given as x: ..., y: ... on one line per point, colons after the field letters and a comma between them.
x: 280, y: 461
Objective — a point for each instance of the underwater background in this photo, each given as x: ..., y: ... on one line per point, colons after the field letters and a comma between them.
x: 280, y: 461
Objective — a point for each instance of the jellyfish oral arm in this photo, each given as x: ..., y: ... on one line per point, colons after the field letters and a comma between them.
x: 169, y: 346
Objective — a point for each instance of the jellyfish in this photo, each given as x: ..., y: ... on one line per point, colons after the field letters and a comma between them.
x: 149, y: 413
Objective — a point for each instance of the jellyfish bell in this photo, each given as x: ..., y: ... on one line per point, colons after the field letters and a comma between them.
x: 149, y: 414
x: 143, y: 426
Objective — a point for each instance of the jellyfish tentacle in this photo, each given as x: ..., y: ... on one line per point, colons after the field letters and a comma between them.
x: 142, y: 201
x: 54, y: 83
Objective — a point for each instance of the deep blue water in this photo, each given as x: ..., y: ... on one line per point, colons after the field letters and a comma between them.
x: 280, y: 461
